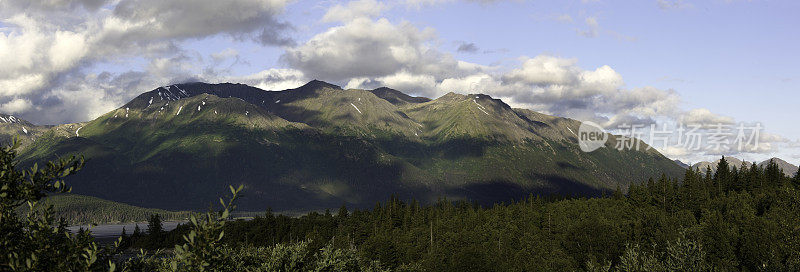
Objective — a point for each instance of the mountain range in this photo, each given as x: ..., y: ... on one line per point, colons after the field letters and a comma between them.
x: 787, y: 168
x: 319, y: 146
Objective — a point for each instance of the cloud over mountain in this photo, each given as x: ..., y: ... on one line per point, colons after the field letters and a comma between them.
x: 46, y: 46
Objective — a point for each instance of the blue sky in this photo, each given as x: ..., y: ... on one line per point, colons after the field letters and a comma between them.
x: 647, y: 61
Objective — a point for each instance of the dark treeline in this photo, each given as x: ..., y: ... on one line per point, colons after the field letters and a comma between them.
x: 744, y: 218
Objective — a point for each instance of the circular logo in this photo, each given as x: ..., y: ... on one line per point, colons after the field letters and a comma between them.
x: 591, y: 136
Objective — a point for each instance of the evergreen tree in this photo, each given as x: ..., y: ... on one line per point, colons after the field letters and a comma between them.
x: 773, y: 174
x: 136, y: 231
x: 796, y: 178
x: 154, y: 226
x: 754, y: 179
x: 342, y: 212
x: 618, y: 195
x: 722, y: 177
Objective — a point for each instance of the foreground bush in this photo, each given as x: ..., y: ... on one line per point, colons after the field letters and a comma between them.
x: 35, y: 241
x: 282, y: 257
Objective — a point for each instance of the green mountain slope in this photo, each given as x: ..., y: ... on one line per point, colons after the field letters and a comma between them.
x: 79, y: 209
x: 26, y: 133
x: 318, y: 146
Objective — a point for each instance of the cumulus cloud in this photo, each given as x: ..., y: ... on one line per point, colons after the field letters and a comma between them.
x: 704, y: 117
x: 559, y: 86
x: 144, y: 20
x: 408, y: 81
x: 362, y: 47
x: 16, y: 105
x: 55, y: 5
x: 363, y: 53
x: 545, y: 70
x: 271, y: 79
x: 353, y: 10
x: 45, y: 46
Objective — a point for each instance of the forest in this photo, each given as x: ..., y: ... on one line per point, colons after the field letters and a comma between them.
x: 744, y: 218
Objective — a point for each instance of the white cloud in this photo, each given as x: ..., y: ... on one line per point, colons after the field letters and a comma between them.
x: 603, y: 79
x: 272, y: 79
x: 159, y: 19
x: 16, y: 105
x: 704, y: 117
x: 409, y: 82
x: 353, y: 10
x: 545, y: 70
x: 55, y: 5
x: 45, y: 46
x: 362, y: 47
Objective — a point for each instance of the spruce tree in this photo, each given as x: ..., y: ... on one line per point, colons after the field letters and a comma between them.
x: 154, y: 225
x: 342, y: 212
x: 796, y: 178
x: 754, y: 179
x: 773, y: 174
x: 618, y: 195
x: 722, y: 176
x: 136, y: 231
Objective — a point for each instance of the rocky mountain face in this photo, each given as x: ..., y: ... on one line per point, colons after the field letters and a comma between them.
x: 319, y: 146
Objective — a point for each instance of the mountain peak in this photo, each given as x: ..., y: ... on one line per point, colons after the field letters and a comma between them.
x: 451, y: 96
x: 11, y: 119
x: 318, y: 84
x: 397, y: 97
x: 786, y: 167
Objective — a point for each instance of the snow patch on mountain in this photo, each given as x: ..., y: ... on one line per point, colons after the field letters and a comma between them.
x: 354, y: 106
x: 11, y: 119
x: 570, y: 130
x: 480, y: 107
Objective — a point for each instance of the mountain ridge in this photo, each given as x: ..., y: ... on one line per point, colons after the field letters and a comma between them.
x: 787, y: 168
x: 318, y: 145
